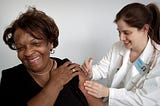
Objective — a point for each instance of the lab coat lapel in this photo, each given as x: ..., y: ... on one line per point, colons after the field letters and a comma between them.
x: 120, y: 74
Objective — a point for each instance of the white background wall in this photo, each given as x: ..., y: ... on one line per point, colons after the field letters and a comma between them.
x: 86, y: 26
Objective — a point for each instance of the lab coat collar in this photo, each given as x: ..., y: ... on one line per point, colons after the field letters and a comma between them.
x: 148, y: 52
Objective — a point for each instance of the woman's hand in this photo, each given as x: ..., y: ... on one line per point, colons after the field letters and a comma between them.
x: 87, y: 68
x: 63, y: 74
x: 95, y: 89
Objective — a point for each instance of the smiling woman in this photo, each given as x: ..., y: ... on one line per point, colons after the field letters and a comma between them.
x: 40, y: 80
x: 131, y: 66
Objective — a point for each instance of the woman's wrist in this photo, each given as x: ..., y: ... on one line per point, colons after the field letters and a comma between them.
x: 106, y: 96
x: 106, y: 92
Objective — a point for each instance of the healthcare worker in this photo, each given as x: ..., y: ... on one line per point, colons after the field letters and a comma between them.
x: 132, y: 65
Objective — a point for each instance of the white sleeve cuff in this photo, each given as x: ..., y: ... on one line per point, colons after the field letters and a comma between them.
x: 116, y: 95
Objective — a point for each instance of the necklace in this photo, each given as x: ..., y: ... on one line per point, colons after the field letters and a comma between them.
x: 41, y: 78
x: 41, y: 73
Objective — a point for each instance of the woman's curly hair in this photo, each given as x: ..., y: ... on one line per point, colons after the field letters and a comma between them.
x: 36, y: 23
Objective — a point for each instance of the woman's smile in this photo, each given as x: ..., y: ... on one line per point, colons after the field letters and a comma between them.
x: 34, y: 60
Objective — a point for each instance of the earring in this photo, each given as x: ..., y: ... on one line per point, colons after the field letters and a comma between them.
x: 52, y: 51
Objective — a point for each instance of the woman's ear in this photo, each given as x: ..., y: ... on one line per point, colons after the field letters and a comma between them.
x: 51, y: 45
x: 52, y: 50
x: 146, y: 28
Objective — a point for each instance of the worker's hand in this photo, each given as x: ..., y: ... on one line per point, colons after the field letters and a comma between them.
x: 96, y: 89
x: 87, y: 68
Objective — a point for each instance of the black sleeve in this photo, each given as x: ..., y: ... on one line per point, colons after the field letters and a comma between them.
x: 7, y: 96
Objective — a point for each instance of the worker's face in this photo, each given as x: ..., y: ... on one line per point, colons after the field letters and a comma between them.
x: 130, y: 36
x: 34, y: 53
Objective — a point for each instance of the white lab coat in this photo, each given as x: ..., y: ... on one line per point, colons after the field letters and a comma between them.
x: 147, y: 90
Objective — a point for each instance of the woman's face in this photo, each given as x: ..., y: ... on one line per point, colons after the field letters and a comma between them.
x: 34, y: 53
x: 132, y: 37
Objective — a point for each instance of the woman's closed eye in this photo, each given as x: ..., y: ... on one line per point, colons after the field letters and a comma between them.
x: 20, y: 48
x: 36, y: 44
